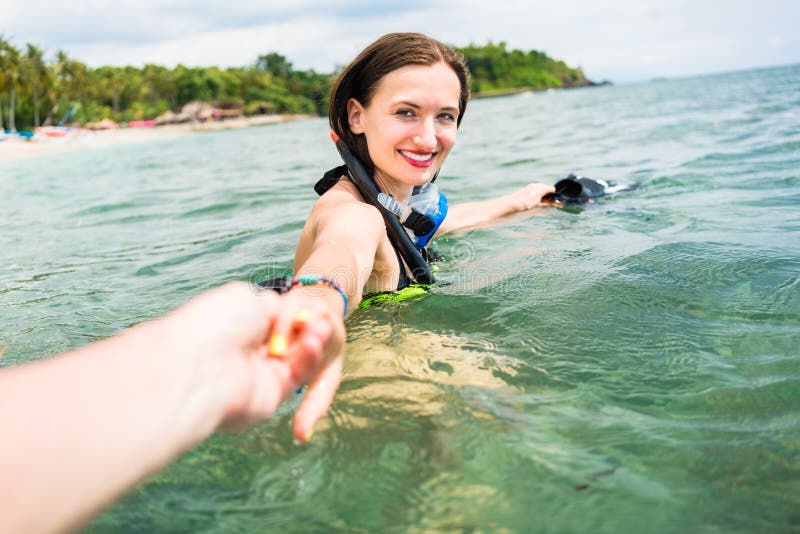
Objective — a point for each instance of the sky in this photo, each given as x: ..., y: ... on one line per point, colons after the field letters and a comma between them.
x: 616, y: 40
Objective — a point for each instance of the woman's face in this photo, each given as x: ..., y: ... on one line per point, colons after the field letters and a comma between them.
x: 410, y: 124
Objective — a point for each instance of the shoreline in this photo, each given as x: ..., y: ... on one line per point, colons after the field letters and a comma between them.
x: 14, y: 149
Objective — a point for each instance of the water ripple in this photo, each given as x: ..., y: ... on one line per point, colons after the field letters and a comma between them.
x: 624, y: 363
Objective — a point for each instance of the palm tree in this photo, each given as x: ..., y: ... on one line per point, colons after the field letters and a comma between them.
x: 70, y: 80
x: 111, y: 82
x: 158, y: 83
x: 2, y: 84
x: 38, y: 76
x: 10, y: 64
x: 60, y: 87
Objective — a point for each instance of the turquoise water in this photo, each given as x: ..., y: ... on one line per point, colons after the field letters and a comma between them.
x: 632, y: 365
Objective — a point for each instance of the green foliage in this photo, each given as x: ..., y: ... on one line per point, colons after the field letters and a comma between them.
x: 494, y: 69
x: 259, y: 107
x: 274, y: 63
x: 42, y: 92
x: 34, y: 91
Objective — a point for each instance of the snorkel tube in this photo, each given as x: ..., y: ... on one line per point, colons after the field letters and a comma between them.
x: 420, y: 271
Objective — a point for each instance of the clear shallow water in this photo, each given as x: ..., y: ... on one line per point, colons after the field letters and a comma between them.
x: 634, y: 364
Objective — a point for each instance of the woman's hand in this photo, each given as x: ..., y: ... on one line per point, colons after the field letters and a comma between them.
x: 529, y: 196
x: 234, y: 327
x: 310, y: 321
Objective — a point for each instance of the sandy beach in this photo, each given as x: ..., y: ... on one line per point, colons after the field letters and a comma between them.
x: 11, y: 149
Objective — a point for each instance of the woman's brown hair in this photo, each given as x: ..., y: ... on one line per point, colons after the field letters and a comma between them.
x: 360, y: 79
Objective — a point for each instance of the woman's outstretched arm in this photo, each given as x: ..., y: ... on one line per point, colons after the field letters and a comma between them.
x: 339, y: 244
x: 470, y: 214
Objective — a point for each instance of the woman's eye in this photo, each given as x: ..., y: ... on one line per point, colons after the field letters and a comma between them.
x: 448, y: 117
x: 406, y: 113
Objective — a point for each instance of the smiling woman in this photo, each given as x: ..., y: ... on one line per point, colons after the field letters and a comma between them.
x: 397, y: 108
x: 410, y: 125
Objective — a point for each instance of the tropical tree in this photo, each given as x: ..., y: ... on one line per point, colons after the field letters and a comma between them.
x: 3, y: 77
x: 70, y: 80
x: 37, y: 75
x: 10, y: 64
x: 112, y: 84
x: 274, y: 63
x: 158, y: 84
x: 29, y: 84
x: 494, y: 67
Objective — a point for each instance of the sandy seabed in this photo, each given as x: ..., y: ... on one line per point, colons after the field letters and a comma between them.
x: 15, y: 148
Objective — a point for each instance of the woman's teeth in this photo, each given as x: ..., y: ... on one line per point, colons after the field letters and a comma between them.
x: 416, y: 157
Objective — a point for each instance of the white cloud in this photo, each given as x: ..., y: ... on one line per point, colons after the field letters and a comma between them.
x: 227, y: 47
x: 612, y: 39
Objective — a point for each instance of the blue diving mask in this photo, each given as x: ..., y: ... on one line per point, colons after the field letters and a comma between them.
x: 422, y: 214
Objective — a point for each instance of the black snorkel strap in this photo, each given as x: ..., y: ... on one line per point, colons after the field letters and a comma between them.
x: 420, y: 270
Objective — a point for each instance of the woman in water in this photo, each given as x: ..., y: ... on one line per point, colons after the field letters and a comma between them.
x: 397, y: 108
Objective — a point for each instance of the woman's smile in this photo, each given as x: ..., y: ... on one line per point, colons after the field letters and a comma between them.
x: 417, y: 158
x: 410, y: 125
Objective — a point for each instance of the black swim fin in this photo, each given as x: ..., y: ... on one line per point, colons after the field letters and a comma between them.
x: 580, y: 190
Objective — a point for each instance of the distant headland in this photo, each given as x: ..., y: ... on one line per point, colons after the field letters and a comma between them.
x: 35, y: 91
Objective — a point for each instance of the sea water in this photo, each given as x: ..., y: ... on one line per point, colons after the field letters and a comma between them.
x: 628, y: 365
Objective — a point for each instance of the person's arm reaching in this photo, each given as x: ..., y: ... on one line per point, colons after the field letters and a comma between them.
x: 83, y: 428
x: 469, y: 214
x: 343, y: 240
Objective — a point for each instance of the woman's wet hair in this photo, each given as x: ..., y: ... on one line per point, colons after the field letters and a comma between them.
x: 360, y: 79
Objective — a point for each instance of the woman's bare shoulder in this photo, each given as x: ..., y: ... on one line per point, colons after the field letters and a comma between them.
x: 342, y: 205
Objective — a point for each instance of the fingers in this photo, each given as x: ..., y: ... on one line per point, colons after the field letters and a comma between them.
x: 286, y: 325
x: 272, y: 379
x: 302, y: 340
x: 530, y: 196
x: 317, y: 400
x: 322, y: 349
x: 307, y: 352
x: 292, y: 320
x: 540, y: 189
x: 305, y: 342
x: 536, y: 191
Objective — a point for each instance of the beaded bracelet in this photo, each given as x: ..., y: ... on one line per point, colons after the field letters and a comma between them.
x: 310, y: 280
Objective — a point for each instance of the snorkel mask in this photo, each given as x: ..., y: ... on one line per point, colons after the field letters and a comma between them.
x: 422, y: 214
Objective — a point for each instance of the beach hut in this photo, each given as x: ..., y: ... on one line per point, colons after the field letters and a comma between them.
x: 105, y: 124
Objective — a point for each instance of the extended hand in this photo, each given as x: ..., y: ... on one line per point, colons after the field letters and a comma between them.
x: 529, y: 196
x: 231, y: 327
x: 310, y: 322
